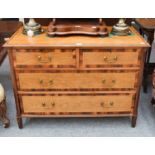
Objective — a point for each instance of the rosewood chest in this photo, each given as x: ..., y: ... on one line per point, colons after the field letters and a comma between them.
x: 76, y: 76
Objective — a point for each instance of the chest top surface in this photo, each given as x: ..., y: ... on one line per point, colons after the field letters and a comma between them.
x: 21, y: 40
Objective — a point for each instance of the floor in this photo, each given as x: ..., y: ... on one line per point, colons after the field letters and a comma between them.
x: 93, y: 127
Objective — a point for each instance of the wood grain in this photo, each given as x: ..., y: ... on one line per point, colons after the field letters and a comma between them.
x: 47, y: 57
x: 110, y: 103
x: 110, y: 57
x: 20, y: 40
x: 57, y: 81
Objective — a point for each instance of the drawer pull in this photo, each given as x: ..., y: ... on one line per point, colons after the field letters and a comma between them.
x: 50, y: 82
x: 103, y: 81
x: 111, y: 83
x: 41, y: 60
x: 41, y: 81
x: 110, y: 60
x: 43, y: 104
x: 53, y: 104
x: 102, y: 104
x: 111, y: 103
x: 115, y: 58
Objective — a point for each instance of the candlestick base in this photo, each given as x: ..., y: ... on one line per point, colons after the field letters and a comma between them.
x: 121, y: 28
x: 32, y: 28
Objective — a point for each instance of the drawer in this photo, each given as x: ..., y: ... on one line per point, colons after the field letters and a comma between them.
x: 76, y: 103
x: 114, y: 57
x: 52, y: 57
x: 84, y: 80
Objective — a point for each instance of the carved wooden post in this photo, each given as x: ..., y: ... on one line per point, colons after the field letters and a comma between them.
x: 153, y: 76
x: 3, y: 108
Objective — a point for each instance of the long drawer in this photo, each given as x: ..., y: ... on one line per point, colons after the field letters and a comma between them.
x: 77, y: 103
x: 112, y: 57
x: 51, y: 57
x: 73, y: 80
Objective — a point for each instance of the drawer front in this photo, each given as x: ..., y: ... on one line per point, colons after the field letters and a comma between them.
x: 109, y: 80
x: 52, y: 57
x: 115, y: 57
x: 77, y: 103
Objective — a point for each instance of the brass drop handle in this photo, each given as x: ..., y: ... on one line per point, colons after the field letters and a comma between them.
x: 112, y: 82
x: 111, y: 103
x: 53, y: 104
x: 41, y: 60
x: 102, y: 104
x: 50, y: 82
x: 42, y: 82
x: 115, y: 58
x: 110, y: 60
x: 43, y: 104
x: 104, y: 81
x: 105, y: 58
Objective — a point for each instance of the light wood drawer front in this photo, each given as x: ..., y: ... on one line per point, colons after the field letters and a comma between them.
x: 88, y: 103
x: 55, y: 57
x: 115, y: 80
x: 92, y: 58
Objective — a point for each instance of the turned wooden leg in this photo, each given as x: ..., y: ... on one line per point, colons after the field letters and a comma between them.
x: 133, y: 121
x: 153, y: 102
x: 6, y: 122
x: 20, y: 122
x: 3, y: 117
x: 145, y: 79
x: 147, y: 62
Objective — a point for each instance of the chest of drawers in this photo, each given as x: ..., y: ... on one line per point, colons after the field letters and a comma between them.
x: 76, y: 76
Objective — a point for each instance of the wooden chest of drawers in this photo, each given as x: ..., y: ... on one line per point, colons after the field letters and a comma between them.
x: 76, y: 76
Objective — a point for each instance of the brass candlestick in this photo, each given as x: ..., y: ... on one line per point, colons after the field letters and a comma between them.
x: 32, y: 28
x: 121, y: 28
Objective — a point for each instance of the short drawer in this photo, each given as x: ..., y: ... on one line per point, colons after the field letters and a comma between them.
x: 114, y: 57
x: 89, y: 80
x: 52, y: 57
x: 77, y: 103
